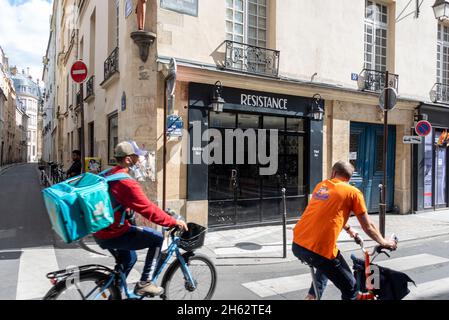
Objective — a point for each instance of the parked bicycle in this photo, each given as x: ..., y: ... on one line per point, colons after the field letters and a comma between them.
x: 43, y: 178
x: 189, y: 276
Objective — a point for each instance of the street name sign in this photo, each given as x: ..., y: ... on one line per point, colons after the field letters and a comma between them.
x: 412, y: 140
x: 78, y: 72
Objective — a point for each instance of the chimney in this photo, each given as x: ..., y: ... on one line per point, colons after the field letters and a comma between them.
x: 28, y: 70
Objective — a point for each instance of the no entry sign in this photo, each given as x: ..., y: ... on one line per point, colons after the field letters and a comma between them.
x: 79, y: 72
x: 423, y: 128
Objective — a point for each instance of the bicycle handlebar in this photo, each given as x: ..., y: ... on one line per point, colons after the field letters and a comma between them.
x: 377, y: 249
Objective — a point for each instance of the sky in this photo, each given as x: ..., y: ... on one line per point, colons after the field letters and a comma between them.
x: 24, y: 32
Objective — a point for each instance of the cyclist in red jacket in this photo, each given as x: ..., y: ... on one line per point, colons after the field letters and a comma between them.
x: 124, y: 238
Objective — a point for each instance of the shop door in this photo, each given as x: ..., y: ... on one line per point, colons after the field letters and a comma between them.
x: 238, y: 194
x: 366, y: 155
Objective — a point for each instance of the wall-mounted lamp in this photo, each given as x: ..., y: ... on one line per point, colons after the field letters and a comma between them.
x: 316, y: 111
x: 441, y: 10
x: 217, y: 102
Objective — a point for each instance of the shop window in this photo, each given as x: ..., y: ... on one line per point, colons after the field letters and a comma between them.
x: 274, y: 123
x: 222, y: 120
x: 248, y: 121
x: 112, y: 137
x: 295, y: 125
x: 428, y: 172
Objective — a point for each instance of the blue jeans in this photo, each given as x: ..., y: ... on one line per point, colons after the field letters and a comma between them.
x: 136, y: 238
x: 336, y: 270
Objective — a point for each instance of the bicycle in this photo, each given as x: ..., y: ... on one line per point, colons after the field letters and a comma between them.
x: 362, y: 271
x: 183, y: 274
x: 43, y: 178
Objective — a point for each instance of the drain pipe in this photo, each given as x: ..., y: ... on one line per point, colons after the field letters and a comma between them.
x: 169, y: 84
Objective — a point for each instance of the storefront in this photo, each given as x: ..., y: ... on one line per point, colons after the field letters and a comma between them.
x: 431, y: 161
x: 261, y: 142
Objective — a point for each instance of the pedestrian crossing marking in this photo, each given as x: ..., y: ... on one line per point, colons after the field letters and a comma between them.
x: 429, y: 290
x: 34, y: 265
x: 283, y: 285
x: 412, y: 262
x: 272, y: 287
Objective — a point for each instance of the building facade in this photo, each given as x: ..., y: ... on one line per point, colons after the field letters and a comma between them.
x: 274, y: 64
x: 50, y: 108
x: 29, y: 98
x: 12, y: 123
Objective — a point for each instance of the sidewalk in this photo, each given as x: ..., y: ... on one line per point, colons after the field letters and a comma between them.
x: 263, y: 245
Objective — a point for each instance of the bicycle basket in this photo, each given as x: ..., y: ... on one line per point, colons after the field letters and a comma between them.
x: 194, y: 238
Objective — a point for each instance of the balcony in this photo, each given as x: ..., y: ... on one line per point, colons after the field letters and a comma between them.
x: 90, y: 88
x: 440, y: 93
x: 111, y: 67
x: 374, y: 81
x: 251, y: 59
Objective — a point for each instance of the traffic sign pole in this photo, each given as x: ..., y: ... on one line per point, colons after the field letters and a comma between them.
x: 383, y: 204
x: 83, y: 155
x: 79, y: 75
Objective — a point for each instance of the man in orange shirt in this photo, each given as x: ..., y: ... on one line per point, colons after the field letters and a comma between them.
x: 316, y: 233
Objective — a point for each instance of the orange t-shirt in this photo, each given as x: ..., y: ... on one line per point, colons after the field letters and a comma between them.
x: 326, y: 215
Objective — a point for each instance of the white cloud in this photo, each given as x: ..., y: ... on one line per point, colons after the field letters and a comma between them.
x: 24, y: 32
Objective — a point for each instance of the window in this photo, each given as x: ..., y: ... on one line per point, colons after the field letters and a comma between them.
x: 443, y: 55
x: 376, y: 29
x: 114, y: 20
x: 246, y: 21
x: 112, y: 136
x: 91, y: 133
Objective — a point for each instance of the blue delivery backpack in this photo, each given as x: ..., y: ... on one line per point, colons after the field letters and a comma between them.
x: 82, y: 205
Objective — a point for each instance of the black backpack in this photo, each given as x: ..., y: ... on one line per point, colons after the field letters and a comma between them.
x: 393, y: 285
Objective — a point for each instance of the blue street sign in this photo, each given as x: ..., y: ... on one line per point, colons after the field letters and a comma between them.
x: 354, y: 77
x: 175, y: 124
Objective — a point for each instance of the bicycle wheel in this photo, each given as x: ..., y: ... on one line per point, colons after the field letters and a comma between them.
x: 85, y: 288
x: 203, y: 273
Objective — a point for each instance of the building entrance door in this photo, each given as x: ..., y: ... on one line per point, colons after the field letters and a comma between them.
x: 238, y: 193
x: 366, y: 155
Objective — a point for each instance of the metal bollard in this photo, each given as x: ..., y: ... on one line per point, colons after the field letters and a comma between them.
x: 284, y: 223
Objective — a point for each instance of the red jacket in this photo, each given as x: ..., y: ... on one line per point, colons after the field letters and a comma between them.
x: 129, y: 195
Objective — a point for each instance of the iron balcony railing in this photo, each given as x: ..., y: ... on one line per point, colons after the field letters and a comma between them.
x: 90, y: 87
x: 440, y: 93
x: 111, y: 65
x: 247, y: 58
x: 373, y: 80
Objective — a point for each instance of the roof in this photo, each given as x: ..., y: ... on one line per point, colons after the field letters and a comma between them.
x: 24, y: 85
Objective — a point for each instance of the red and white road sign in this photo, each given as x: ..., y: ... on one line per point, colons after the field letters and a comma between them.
x: 423, y: 128
x: 79, y: 72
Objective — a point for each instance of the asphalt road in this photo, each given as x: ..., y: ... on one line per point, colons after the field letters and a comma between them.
x: 29, y: 250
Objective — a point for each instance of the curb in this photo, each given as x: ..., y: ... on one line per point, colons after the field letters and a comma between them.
x: 221, y: 261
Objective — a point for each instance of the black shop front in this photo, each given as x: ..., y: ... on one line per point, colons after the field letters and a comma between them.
x: 243, y: 156
x: 430, y: 159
